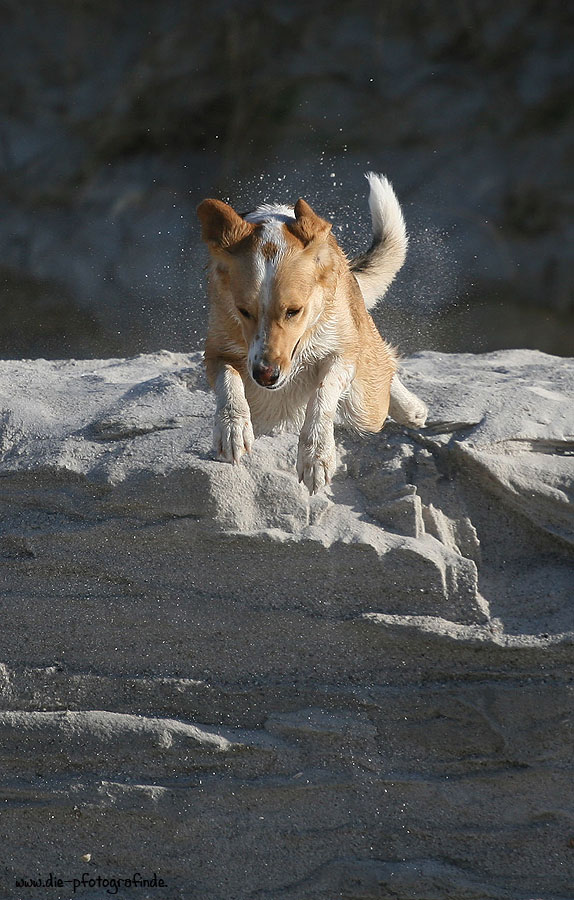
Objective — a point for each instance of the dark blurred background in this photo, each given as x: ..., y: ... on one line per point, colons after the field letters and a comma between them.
x: 118, y: 116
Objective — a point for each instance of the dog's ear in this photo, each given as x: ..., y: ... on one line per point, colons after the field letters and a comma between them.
x: 221, y: 227
x: 308, y: 226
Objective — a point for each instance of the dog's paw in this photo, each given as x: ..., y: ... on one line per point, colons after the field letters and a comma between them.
x: 232, y: 435
x: 316, y: 464
x: 405, y: 407
x: 414, y: 415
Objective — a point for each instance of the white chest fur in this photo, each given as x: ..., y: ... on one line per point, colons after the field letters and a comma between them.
x: 284, y: 408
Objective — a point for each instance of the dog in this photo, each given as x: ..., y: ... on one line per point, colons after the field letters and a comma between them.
x: 290, y: 342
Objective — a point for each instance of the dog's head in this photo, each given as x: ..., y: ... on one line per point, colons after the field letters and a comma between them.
x: 275, y: 272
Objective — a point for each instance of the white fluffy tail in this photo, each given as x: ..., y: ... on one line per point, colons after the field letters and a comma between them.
x: 375, y: 269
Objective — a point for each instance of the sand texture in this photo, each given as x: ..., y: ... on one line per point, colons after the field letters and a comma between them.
x: 258, y: 695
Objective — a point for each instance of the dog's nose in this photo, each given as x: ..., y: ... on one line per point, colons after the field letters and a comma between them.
x: 265, y: 375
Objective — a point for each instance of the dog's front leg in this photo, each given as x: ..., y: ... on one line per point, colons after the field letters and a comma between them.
x: 317, y: 459
x: 232, y: 432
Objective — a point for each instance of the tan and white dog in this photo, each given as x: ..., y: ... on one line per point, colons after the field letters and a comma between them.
x: 290, y: 342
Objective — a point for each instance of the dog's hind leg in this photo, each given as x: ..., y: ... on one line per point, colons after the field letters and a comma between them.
x: 405, y: 407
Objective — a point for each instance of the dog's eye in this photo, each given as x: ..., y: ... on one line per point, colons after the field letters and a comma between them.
x: 290, y: 313
x: 244, y: 313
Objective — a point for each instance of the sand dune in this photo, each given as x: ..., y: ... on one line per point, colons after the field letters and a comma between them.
x: 207, y: 674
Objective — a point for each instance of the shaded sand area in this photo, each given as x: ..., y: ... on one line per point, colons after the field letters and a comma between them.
x: 206, y: 674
